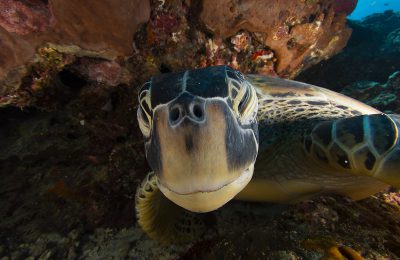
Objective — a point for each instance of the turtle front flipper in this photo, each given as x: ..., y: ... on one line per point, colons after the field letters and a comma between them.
x: 362, y: 145
x: 161, y: 219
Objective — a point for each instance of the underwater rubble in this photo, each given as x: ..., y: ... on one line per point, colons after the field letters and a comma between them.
x: 71, y: 159
x: 328, y: 227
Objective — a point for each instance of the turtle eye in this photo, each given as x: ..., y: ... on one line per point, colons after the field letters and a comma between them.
x: 144, y: 113
x: 246, y: 103
x: 243, y: 102
x: 143, y: 123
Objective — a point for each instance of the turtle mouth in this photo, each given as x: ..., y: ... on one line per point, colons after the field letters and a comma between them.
x: 208, y: 200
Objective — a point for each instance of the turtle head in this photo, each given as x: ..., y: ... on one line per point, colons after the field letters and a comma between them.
x: 201, y: 135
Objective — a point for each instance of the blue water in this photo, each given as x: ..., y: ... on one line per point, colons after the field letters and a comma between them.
x: 367, y: 7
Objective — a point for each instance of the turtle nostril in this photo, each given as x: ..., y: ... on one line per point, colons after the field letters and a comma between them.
x: 174, y: 114
x: 197, y: 111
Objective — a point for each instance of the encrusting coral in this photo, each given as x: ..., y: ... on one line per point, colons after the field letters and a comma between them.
x: 144, y: 38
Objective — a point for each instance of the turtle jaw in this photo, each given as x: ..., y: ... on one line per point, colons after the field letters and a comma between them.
x: 205, y: 201
x: 200, y: 165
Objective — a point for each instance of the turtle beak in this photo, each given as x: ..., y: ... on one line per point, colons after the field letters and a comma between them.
x: 200, y: 153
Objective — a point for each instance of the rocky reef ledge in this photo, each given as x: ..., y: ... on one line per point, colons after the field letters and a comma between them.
x: 118, y: 42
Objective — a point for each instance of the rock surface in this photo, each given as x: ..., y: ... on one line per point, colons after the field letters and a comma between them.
x: 24, y: 17
x: 128, y: 41
x: 298, y: 33
x: 91, y: 28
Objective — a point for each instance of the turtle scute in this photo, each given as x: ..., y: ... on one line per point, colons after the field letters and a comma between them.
x: 360, y: 145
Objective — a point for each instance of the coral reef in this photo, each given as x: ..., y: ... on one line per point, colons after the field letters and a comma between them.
x: 24, y: 17
x: 100, y: 29
x: 382, y: 23
x: 120, y: 42
x: 100, y: 71
x: 40, y: 86
x: 392, y: 41
x: 345, y: 6
x: 300, y: 33
x: 372, y: 54
x: 385, y: 97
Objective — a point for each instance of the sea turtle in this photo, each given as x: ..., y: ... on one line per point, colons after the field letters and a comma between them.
x: 205, y: 128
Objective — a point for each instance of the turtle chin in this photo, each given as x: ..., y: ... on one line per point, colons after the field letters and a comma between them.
x: 208, y: 200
